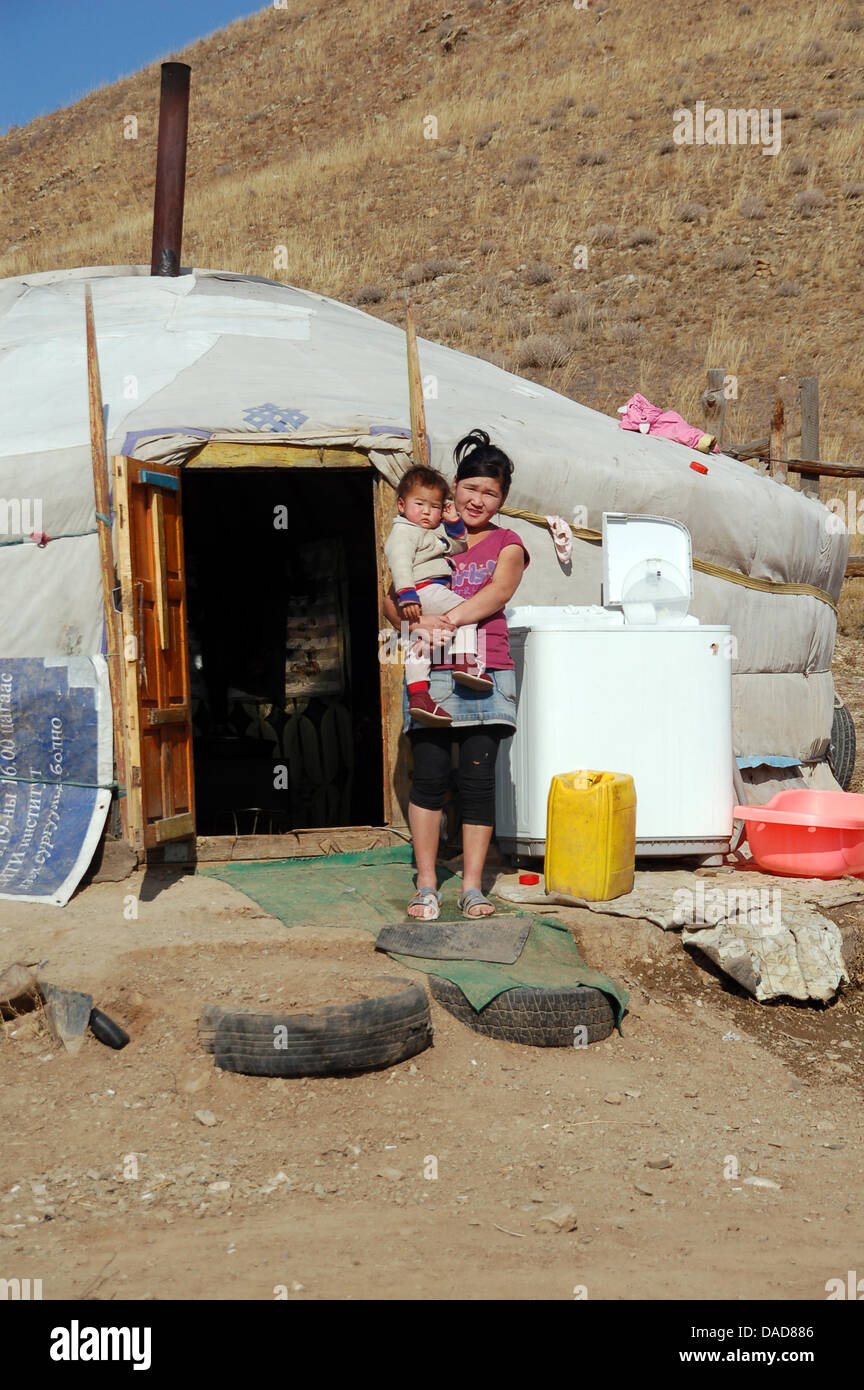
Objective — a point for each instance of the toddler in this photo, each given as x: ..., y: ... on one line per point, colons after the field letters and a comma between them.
x: 427, y: 530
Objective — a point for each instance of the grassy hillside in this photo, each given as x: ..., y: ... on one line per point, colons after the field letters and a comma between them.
x: 554, y: 130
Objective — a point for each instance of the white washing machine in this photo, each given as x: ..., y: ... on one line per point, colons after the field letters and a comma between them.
x: 637, y: 685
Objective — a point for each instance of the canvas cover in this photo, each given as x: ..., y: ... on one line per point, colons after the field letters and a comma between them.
x: 213, y: 354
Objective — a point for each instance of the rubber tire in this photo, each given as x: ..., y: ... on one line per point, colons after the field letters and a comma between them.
x: 107, y: 1031
x: 335, y: 1040
x: 841, y: 749
x: 534, y: 1017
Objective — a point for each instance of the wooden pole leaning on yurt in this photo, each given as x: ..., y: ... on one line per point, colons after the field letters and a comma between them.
x: 419, y: 440
x: 99, y: 455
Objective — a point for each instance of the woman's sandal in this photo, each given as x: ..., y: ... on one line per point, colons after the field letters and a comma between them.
x: 425, y: 897
x: 472, y: 897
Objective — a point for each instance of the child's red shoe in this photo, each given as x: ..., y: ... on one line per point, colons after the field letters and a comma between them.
x: 467, y: 672
x: 423, y: 708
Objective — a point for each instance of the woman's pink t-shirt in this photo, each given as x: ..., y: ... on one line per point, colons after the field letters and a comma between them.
x: 472, y: 569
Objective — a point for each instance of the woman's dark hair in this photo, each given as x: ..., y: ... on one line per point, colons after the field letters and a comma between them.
x: 476, y: 456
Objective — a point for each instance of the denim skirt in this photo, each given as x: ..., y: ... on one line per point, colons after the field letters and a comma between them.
x: 495, y: 706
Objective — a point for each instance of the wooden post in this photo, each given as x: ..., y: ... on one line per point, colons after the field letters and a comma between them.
x: 782, y: 427
x: 714, y: 404
x: 106, y: 554
x: 776, y: 465
x: 415, y: 393
x: 810, y: 431
x: 397, y: 781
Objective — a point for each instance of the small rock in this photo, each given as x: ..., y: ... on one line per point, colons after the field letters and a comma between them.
x: 205, y: 1117
x: 691, y: 1095
x: 275, y: 1182
x: 391, y: 1174
x: 614, y: 1098
x: 664, y: 1162
x: 561, y: 1218
x: 17, y: 981
x: 196, y: 1081
x: 762, y: 1182
x: 219, y: 1187
x: 68, y: 1014
x: 634, y: 1095
x: 646, y: 1191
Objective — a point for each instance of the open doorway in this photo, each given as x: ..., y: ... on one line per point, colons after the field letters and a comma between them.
x: 282, y: 590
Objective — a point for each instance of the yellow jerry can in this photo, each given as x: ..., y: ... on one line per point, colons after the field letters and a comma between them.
x: 591, y: 835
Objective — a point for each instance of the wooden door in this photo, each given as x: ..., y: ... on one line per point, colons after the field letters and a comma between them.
x: 149, y: 535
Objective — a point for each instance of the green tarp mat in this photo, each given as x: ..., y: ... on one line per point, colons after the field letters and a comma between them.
x: 369, y: 889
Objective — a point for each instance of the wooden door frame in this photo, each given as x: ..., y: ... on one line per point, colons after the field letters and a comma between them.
x: 216, y: 455
x: 143, y: 835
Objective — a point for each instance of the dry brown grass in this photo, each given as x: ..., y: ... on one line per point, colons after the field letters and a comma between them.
x: 296, y: 143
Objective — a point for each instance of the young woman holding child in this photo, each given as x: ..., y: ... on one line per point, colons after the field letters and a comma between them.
x: 485, y: 575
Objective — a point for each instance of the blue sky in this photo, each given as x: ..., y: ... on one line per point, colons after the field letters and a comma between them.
x: 55, y: 51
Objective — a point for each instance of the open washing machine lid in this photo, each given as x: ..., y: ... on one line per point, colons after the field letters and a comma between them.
x: 630, y: 542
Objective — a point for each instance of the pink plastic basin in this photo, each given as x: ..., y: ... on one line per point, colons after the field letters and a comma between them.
x: 809, y: 834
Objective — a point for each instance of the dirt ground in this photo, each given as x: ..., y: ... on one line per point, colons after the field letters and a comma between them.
x: 110, y: 1187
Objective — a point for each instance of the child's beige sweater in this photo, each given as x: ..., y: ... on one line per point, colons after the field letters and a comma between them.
x: 414, y: 554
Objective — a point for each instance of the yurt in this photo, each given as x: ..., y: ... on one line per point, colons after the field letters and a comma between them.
x: 255, y: 432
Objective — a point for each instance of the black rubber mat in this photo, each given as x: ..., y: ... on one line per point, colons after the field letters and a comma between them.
x: 484, y: 939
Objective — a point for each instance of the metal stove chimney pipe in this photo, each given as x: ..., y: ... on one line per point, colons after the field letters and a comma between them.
x: 170, y: 169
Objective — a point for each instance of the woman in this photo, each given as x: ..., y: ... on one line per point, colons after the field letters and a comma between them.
x: 486, y: 575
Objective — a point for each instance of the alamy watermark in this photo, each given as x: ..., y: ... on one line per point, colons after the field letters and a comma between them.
x: 394, y: 647
x: 753, y: 907
x: 849, y: 1288
x: 845, y: 516
x: 728, y: 126
x: 20, y: 1290
x: 20, y: 516
x: 77, y: 1343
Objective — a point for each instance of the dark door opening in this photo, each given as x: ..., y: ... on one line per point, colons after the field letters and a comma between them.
x: 282, y: 582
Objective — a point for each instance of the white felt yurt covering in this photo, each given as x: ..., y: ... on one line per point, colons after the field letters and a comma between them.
x: 211, y: 353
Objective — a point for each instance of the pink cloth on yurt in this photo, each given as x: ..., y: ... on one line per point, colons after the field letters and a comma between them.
x: 639, y: 412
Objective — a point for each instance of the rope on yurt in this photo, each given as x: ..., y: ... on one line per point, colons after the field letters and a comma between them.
x: 63, y: 536
x: 747, y: 581
x: 66, y: 782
